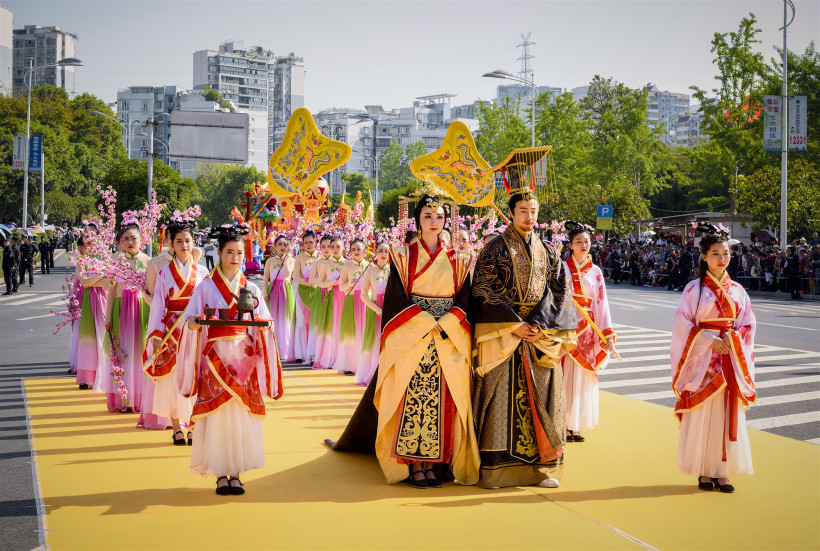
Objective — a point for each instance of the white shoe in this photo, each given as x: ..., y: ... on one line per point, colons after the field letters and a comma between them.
x: 549, y: 483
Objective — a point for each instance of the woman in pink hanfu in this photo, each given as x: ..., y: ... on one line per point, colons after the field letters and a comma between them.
x: 230, y: 369
x: 351, y: 326
x: 126, y: 318
x: 713, y: 370
x: 91, y: 325
x: 277, y: 278
x: 327, y: 347
x: 374, y: 283
x: 581, y: 365
x: 303, y: 293
x: 321, y: 305
x: 175, y: 283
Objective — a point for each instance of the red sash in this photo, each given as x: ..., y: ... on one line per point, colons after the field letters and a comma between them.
x: 726, y: 377
x: 175, y: 305
x: 584, y: 301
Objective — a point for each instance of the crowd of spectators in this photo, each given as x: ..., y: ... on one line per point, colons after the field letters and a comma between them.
x: 665, y: 261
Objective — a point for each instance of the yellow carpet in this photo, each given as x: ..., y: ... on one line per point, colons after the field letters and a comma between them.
x: 107, y: 485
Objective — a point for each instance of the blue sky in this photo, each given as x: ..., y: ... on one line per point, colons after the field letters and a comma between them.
x: 389, y: 52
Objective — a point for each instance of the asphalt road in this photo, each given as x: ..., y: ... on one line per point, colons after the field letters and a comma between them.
x: 787, y: 363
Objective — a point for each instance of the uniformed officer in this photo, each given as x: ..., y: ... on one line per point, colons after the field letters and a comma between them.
x: 27, y: 252
x: 11, y: 259
x: 45, y: 267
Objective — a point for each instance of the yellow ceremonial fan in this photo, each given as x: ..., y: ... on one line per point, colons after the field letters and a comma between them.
x: 304, y: 156
x: 457, y: 168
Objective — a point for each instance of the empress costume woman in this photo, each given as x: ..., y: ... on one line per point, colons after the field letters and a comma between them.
x: 126, y: 320
x: 352, y: 321
x: 713, y: 371
x: 374, y: 283
x: 91, y: 325
x: 174, y: 286
x: 422, y: 392
x: 582, y: 364
x: 278, y: 272
x: 229, y: 369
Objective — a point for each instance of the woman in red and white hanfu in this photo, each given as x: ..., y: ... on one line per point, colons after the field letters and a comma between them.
x: 229, y: 369
x: 713, y: 371
x: 581, y: 365
x: 174, y: 286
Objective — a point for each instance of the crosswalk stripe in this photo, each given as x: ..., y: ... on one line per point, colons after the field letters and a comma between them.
x: 784, y: 420
x: 622, y: 349
x: 788, y: 398
x: 666, y: 394
x: 34, y: 299
x: 815, y: 441
x: 613, y: 369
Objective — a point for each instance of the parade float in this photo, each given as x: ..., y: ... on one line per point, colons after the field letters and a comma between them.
x: 294, y: 196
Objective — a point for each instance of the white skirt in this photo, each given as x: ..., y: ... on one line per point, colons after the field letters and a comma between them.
x: 580, y: 396
x: 227, y: 442
x: 700, y: 444
x: 168, y: 403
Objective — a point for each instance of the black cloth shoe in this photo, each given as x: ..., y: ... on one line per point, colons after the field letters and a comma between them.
x: 236, y: 490
x: 222, y: 490
x: 432, y: 482
x: 421, y: 484
x: 577, y: 438
x: 725, y: 488
x: 180, y: 441
x: 706, y: 486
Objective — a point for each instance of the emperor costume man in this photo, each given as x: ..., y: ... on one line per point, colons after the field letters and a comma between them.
x: 524, y: 321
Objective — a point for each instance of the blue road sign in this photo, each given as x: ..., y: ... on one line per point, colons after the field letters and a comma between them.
x: 605, y: 211
x: 35, y: 157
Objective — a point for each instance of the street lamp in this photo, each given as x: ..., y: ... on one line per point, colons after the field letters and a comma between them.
x: 498, y: 73
x: 126, y: 128
x: 67, y: 62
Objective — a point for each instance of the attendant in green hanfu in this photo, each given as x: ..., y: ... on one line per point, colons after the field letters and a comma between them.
x: 524, y: 320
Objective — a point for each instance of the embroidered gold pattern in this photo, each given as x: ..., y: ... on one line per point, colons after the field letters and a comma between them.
x: 436, y: 306
x: 419, y: 435
x: 523, y: 445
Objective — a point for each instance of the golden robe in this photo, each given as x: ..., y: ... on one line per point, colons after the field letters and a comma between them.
x: 517, y: 399
x: 420, y: 371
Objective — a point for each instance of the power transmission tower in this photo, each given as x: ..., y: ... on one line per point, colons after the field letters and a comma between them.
x: 526, y: 69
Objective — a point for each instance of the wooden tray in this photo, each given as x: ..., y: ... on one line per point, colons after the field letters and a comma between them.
x: 235, y: 323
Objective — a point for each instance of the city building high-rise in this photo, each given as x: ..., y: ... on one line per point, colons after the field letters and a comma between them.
x: 137, y: 104
x: 266, y: 87
x: 371, y: 131
x: 6, y: 50
x: 664, y: 108
x: 688, y: 131
x: 45, y: 46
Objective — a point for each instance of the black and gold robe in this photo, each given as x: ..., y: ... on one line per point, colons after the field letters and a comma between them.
x: 517, y: 397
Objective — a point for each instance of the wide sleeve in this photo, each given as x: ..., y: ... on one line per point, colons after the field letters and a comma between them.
x: 743, y: 342
x: 158, y: 306
x: 268, y: 366
x: 690, y: 349
x: 454, y: 322
x: 600, y: 304
x: 189, y: 345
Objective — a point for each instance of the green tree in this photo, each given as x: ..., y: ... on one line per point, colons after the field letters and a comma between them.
x: 212, y: 94
x: 79, y: 149
x: 732, y: 117
x: 758, y: 197
x: 129, y: 178
x: 389, y: 206
x: 220, y: 187
x: 394, y: 165
x: 804, y: 80
x: 500, y: 130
